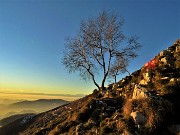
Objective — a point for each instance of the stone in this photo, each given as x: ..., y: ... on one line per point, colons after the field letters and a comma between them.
x: 138, y: 117
x: 165, y: 78
x: 123, y: 80
x: 164, y: 60
x: 174, y: 80
x: 140, y: 92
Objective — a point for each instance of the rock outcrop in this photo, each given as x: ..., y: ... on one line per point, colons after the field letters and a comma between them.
x: 140, y: 92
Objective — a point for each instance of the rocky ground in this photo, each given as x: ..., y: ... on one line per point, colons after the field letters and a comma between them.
x: 146, y: 102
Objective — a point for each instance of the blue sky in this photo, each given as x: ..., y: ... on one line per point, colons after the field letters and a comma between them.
x: 33, y: 32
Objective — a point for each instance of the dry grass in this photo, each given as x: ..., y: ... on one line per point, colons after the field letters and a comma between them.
x: 127, y: 108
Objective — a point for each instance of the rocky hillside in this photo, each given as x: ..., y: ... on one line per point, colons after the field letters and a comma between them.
x: 145, y: 103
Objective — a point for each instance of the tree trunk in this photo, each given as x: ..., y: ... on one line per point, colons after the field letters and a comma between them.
x: 103, y: 81
x: 96, y: 84
x: 94, y: 81
x: 115, y: 79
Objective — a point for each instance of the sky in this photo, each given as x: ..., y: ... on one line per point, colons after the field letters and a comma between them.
x: 33, y: 33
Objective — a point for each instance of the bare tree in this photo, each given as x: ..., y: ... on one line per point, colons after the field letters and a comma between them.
x: 99, y: 46
x: 118, y: 67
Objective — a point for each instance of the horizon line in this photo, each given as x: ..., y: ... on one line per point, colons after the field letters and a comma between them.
x: 46, y: 94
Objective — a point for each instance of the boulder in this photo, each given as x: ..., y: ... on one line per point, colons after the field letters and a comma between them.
x: 166, y: 60
x: 138, y: 117
x: 140, y: 92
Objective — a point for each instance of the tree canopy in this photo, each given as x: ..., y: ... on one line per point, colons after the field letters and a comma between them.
x: 100, y: 46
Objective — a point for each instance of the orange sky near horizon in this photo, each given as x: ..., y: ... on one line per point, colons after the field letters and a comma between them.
x: 33, y: 96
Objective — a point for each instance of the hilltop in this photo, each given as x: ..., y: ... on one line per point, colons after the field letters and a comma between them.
x: 144, y: 103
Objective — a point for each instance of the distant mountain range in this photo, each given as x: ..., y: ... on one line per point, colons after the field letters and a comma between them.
x: 35, y: 106
x: 38, y: 104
